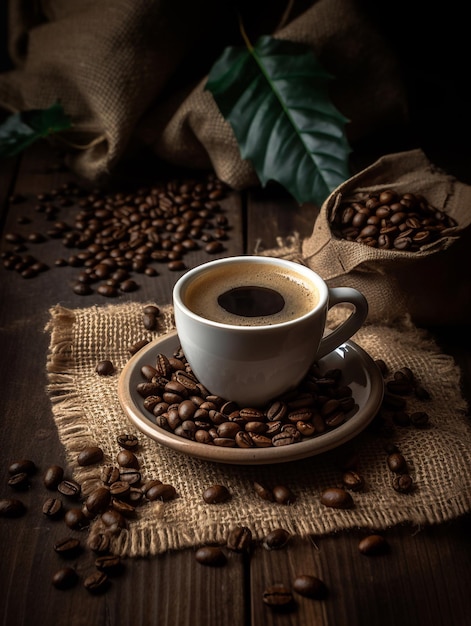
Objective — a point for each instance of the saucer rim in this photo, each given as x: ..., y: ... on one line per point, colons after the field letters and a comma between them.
x: 128, y: 398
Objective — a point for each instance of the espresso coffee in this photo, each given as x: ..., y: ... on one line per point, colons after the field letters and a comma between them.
x: 251, y: 294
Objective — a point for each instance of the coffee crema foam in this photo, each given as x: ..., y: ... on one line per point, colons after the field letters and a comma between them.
x: 299, y: 293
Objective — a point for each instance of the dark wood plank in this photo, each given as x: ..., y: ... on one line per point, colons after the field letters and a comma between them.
x: 172, y: 589
x: 422, y: 579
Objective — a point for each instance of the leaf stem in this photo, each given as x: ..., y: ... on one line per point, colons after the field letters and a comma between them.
x: 244, y: 35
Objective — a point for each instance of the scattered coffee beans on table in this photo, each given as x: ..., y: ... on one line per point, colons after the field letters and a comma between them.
x: 112, y: 237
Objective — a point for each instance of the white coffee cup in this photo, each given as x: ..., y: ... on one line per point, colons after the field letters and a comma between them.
x: 248, y: 349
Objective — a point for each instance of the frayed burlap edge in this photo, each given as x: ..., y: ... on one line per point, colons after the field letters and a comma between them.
x: 90, y: 414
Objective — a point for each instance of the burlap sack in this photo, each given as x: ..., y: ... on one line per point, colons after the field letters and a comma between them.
x: 133, y: 71
x: 432, y: 285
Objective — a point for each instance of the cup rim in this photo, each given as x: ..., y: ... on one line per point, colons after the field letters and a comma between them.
x: 203, y: 267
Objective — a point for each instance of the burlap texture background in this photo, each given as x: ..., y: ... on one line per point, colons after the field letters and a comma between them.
x: 432, y: 285
x: 87, y: 411
x: 131, y: 71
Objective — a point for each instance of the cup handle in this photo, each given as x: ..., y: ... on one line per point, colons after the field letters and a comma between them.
x: 339, y: 295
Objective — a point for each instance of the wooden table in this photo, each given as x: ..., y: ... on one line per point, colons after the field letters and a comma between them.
x: 423, y: 581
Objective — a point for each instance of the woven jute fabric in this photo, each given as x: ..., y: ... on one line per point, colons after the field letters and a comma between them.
x: 430, y: 284
x: 87, y: 411
x: 133, y: 72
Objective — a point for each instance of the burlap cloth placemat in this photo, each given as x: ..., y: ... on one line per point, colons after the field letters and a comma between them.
x: 87, y: 411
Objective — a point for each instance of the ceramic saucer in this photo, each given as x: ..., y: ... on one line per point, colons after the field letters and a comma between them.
x: 359, y: 372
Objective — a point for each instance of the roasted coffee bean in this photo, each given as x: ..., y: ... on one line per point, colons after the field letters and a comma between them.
x: 76, y: 519
x: 239, y: 539
x: 99, y: 543
x: 130, y: 475
x: 110, y: 563
x: 210, y: 555
x: 105, y: 368
x: 134, y: 348
x: 353, y: 480
x: 397, y: 463
x: 127, y: 441
x: 53, y: 508
x: 69, y: 488
x: 110, y: 474
x: 162, y: 492
x: 263, y: 492
x: 11, y: 507
x: 224, y: 442
x: 119, y: 489
x: 150, y: 321
x: 283, y: 494
x: 90, y: 456
x: 127, y: 458
x: 383, y: 368
x: 422, y: 393
x: 420, y: 419
x: 53, y: 476
x: 216, y: 494
x: 373, y: 544
x: 99, y: 500
x: 278, y: 597
x: 19, y: 481
x: 276, y: 539
x: 96, y: 582
x: 310, y: 586
x: 125, y: 508
x: 65, y: 578
x: 68, y: 547
x: 113, y: 519
x: 22, y: 466
x: 277, y: 411
x: 337, y: 498
x: 229, y: 429
x: 403, y: 483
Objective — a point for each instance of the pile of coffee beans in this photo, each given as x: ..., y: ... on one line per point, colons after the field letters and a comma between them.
x: 115, y: 236
x: 178, y: 403
x: 391, y: 221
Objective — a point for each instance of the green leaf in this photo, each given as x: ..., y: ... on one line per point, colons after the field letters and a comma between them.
x: 275, y: 97
x: 22, y: 129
